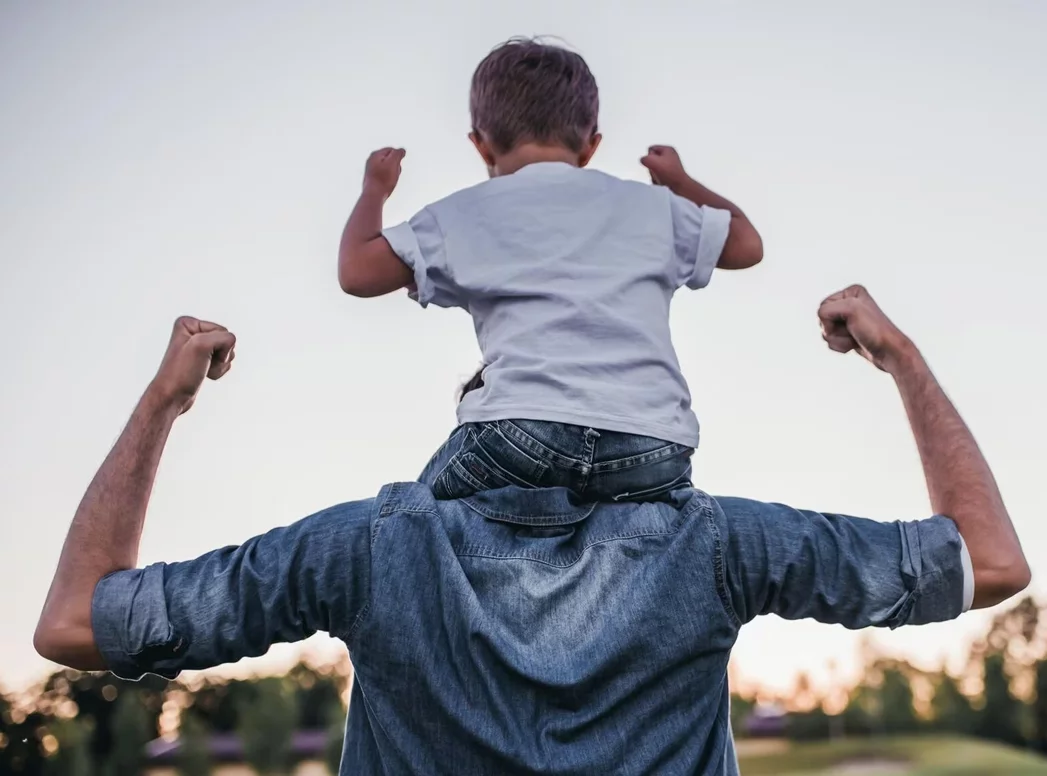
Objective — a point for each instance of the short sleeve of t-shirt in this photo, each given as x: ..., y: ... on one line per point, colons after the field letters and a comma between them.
x: 421, y: 246
x: 699, y: 234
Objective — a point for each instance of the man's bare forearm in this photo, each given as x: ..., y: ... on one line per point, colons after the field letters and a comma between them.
x: 104, y: 535
x: 960, y: 482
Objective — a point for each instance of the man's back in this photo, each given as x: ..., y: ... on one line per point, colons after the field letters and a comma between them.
x: 518, y: 632
x: 562, y: 639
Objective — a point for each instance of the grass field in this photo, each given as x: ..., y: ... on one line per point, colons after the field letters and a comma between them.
x: 904, y: 756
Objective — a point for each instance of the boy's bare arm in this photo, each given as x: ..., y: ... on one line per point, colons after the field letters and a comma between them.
x: 367, y: 265
x: 744, y: 247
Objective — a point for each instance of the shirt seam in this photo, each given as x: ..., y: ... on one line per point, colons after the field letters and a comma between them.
x: 476, y: 551
x: 720, y: 564
x: 482, y: 551
x: 378, y: 516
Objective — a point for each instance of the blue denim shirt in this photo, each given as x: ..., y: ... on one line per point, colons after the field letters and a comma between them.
x: 517, y: 631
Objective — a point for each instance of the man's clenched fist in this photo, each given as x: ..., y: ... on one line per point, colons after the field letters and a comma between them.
x: 197, y: 349
x: 851, y: 320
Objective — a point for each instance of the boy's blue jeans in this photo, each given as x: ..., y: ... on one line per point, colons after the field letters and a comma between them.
x: 596, y: 465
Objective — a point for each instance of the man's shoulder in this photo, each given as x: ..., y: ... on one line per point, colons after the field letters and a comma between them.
x: 405, y: 497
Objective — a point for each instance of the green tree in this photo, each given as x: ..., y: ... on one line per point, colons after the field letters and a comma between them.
x: 21, y: 734
x: 1040, y: 706
x: 73, y: 757
x: 335, y: 737
x: 218, y: 704
x: 808, y: 725
x: 194, y: 752
x: 861, y: 715
x: 1000, y: 718
x: 1013, y: 630
x: 132, y: 729
x: 93, y: 699
x: 741, y: 708
x: 950, y: 706
x: 266, y: 726
x: 316, y: 691
x: 897, y: 714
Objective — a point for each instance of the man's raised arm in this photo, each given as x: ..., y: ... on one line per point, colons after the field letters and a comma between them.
x: 107, y: 527
x: 861, y: 573
x: 104, y: 613
x: 959, y: 481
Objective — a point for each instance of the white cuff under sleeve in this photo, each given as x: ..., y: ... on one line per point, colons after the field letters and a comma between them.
x: 968, y: 576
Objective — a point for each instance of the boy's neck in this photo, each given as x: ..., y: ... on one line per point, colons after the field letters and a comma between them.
x: 532, y: 153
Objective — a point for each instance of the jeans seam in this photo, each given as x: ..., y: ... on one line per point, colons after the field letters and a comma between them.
x: 494, y: 467
x: 540, y: 466
x: 591, y: 435
x: 513, y: 433
x: 654, y: 456
x: 458, y: 469
x: 439, y: 475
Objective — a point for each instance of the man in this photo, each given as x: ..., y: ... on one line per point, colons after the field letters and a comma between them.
x: 518, y: 631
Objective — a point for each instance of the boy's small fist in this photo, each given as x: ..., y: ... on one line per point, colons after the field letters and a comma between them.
x: 382, y: 171
x: 664, y: 165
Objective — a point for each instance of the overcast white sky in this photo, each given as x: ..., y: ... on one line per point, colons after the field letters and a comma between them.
x: 200, y: 158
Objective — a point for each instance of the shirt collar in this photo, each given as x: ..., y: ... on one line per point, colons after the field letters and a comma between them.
x: 540, y: 168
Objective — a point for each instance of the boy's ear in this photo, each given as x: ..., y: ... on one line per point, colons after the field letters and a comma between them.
x: 589, y: 149
x: 483, y: 149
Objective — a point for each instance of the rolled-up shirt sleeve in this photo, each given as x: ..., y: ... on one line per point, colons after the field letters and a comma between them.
x: 842, y: 570
x: 236, y: 602
x: 421, y: 246
x: 699, y: 235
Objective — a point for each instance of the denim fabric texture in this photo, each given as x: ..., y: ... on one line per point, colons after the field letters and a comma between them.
x: 595, y: 465
x: 523, y: 631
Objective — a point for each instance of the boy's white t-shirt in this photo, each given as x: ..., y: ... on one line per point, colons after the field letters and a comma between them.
x: 568, y: 274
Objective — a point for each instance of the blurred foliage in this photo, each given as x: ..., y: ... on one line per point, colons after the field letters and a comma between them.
x: 266, y: 725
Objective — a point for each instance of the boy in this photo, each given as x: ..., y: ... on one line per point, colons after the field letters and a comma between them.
x: 568, y: 274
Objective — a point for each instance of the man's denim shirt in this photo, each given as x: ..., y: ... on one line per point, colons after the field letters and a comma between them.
x: 519, y: 632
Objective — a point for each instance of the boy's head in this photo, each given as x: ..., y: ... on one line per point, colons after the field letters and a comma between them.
x: 531, y: 94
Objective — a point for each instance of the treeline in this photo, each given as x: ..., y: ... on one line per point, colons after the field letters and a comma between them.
x: 78, y: 724
x: 1001, y: 694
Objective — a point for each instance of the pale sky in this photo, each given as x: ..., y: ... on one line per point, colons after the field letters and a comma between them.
x: 202, y: 160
